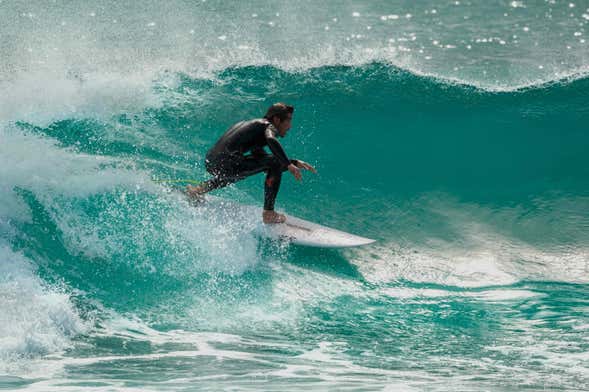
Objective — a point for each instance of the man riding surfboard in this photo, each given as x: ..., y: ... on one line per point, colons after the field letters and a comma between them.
x: 239, y: 153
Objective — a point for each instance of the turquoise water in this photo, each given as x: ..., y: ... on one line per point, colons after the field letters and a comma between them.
x: 454, y: 134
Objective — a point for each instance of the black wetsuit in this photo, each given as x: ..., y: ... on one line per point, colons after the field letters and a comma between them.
x: 240, y: 153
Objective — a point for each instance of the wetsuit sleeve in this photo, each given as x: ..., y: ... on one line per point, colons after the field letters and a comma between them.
x: 275, y: 146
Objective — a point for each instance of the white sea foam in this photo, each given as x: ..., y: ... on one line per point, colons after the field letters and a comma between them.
x: 35, y: 319
x: 490, y: 263
x: 38, y: 164
x: 217, y: 239
x: 481, y: 252
x: 41, y: 98
x: 424, y: 295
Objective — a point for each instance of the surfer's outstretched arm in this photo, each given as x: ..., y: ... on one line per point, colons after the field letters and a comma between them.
x: 293, y: 165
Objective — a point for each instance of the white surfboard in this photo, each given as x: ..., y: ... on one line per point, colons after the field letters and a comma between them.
x: 301, y: 232
x: 295, y: 230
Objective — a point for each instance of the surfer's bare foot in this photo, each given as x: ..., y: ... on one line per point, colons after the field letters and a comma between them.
x: 195, y: 193
x: 273, y: 217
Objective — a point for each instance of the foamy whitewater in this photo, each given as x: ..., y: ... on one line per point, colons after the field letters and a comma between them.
x: 454, y: 133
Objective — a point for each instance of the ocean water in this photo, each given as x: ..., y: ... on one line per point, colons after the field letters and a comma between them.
x: 455, y: 133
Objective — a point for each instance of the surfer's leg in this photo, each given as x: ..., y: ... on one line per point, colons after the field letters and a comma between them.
x: 271, y: 187
x: 227, y: 170
x: 207, y: 186
x: 196, y: 193
x: 253, y: 165
x: 224, y: 171
x: 271, y: 165
x: 230, y: 171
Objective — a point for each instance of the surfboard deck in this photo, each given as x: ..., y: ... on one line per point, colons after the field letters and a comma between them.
x: 295, y: 230
x: 302, y: 232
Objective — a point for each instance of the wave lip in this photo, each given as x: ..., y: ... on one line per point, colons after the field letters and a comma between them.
x: 490, y: 46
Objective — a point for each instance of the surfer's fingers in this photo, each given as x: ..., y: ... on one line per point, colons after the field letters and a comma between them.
x: 306, y: 166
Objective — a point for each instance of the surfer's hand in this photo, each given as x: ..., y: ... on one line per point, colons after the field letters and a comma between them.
x: 295, y: 172
x: 304, y: 165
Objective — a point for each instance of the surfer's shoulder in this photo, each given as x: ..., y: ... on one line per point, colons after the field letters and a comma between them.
x: 262, y: 122
x: 262, y: 125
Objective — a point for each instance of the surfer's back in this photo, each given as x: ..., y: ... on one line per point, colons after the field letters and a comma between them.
x: 241, y: 138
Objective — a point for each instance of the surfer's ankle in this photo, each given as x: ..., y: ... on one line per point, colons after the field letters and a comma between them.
x: 195, y: 192
x: 271, y: 216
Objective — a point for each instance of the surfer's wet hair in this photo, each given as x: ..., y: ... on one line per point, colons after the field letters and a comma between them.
x: 280, y: 109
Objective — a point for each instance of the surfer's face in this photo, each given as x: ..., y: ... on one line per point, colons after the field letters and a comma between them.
x: 283, y: 125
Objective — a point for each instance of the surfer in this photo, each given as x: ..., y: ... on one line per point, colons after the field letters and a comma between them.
x: 239, y: 153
